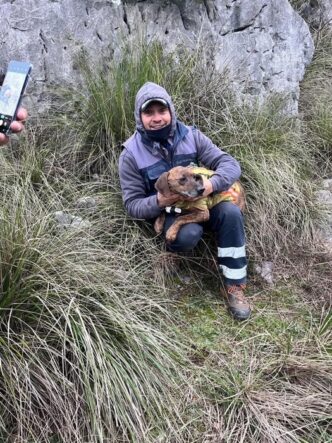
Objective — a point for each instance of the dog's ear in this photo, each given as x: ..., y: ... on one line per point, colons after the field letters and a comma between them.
x: 161, y: 184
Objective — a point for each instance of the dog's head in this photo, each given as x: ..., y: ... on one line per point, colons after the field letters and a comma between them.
x: 180, y: 180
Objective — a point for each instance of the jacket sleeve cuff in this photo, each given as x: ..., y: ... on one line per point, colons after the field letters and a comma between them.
x: 154, y: 205
x: 218, y: 184
x: 153, y: 210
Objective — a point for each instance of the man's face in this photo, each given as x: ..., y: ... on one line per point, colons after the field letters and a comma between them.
x: 155, y: 116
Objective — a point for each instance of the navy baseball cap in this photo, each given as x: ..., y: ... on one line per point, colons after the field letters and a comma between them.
x: 151, y: 100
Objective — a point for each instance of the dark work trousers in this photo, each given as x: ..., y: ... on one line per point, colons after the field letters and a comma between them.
x: 226, y: 221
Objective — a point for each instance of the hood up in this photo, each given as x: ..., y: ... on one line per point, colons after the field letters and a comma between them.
x: 151, y: 91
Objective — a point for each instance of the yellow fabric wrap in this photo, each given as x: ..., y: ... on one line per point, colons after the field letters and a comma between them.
x: 231, y: 195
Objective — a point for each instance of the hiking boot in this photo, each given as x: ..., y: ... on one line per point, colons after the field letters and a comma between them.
x: 238, y: 305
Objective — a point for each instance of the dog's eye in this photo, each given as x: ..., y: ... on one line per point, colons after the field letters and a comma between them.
x: 183, y: 180
x: 197, y: 177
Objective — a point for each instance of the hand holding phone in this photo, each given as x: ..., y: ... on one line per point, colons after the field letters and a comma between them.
x: 11, y: 92
x: 16, y: 126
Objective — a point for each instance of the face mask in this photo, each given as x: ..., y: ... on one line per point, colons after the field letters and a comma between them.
x: 159, y: 135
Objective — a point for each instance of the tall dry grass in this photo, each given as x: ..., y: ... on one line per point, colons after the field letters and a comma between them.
x: 276, y: 158
x: 90, y: 341
x: 88, y: 350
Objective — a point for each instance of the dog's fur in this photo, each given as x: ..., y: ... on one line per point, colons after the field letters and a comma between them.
x: 188, y: 183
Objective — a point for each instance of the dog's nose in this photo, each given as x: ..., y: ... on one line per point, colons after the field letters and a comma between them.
x: 200, y: 191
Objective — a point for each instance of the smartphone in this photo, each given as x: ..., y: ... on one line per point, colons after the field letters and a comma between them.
x: 11, y: 92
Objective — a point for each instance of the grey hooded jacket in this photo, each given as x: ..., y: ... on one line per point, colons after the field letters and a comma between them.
x: 142, y: 161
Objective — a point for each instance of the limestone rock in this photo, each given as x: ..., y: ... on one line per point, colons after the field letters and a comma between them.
x: 263, y: 45
x: 87, y: 204
x: 68, y: 221
x: 265, y: 270
x: 318, y: 13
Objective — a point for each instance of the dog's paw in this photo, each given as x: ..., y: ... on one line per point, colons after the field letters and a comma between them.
x: 159, y: 223
x: 158, y: 227
x: 171, y: 235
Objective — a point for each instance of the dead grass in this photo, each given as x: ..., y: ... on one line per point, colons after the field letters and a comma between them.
x: 127, y: 348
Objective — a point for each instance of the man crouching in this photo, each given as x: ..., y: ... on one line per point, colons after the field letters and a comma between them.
x: 161, y: 142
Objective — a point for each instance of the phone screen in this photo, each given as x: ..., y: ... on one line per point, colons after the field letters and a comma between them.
x: 10, y: 92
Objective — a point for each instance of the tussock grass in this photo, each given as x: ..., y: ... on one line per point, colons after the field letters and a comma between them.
x: 277, y: 167
x: 316, y: 101
x: 97, y: 118
x: 276, y: 159
x: 266, y: 380
x: 88, y: 351
x: 273, y: 403
x: 90, y: 317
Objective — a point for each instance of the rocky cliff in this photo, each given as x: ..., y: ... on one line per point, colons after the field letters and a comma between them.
x: 264, y: 45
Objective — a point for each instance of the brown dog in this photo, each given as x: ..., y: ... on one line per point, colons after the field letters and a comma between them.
x: 188, y: 183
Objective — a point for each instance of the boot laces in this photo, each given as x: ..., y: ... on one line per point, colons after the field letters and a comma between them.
x: 237, y: 291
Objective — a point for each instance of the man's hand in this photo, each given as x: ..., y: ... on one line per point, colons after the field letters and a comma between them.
x: 208, y: 189
x: 168, y: 200
x: 16, y: 126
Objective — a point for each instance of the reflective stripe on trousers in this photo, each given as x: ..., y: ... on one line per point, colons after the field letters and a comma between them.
x: 226, y: 221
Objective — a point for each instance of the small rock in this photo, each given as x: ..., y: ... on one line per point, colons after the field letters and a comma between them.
x: 62, y: 218
x: 324, y: 196
x: 265, y: 271
x: 186, y: 279
x: 70, y: 221
x: 324, y: 236
x: 324, y: 229
x: 327, y: 184
x: 78, y: 222
x: 88, y: 204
